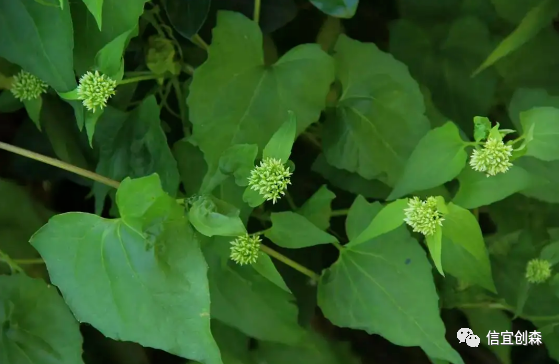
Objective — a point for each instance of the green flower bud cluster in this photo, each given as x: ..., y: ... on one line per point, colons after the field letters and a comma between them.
x: 245, y: 249
x: 423, y: 216
x: 538, y: 270
x: 26, y: 86
x: 271, y: 179
x: 493, y: 158
x: 95, y: 89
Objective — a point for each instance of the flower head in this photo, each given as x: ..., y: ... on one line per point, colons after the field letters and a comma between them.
x: 245, y: 249
x: 538, y: 270
x: 26, y: 86
x: 423, y: 216
x: 493, y: 158
x: 95, y: 89
x: 270, y: 179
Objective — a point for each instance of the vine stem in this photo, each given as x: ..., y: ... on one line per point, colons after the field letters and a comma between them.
x: 14, y: 267
x: 28, y: 261
x: 112, y: 183
x: 343, y: 212
x: 500, y: 306
x: 138, y: 79
x: 257, y: 11
x: 60, y: 164
x: 284, y: 259
x: 196, y: 39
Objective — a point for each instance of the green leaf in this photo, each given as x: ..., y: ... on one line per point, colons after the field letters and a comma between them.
x: 482, y: 128
x: 37, y: 325
x: 133, y: 145
x: 434, y: 243
x: 109, y: 60
x: 191, y: 165
x: 338, y: 8
x: 550, y: 252
x: 265, y: 267
x: 524, y: 99
x: 385, y: 287
x: 291, y: 230
x: 243, y: 299
x: 476, y: 189
x: 280, y: 145
x: 464, y: 253
x: 546, y: 173
x: 91, y: 119
x: 33, y: 108
x: 482, y: 321
x: 161, y: 58
x: 39, y: 39
x: 8, y: 102
x: 211, y: 216
x: 234, y: 345
x: 514, y: 12
x: 536, y: 19
x: 351, y: 182
x: 119, y: 16
x: 540, y: 127
x: 187, y: 17
x: 313, y: 349
x: 239, y: 160
x: 253, y: 198
x: 250, y: 92
x: 318, y: 208
x: 95, y: 7
x: 438, y: 158
x: 379, y: 117
x: 443, y: 59
x: 122, y: 275
x: 388, y: 219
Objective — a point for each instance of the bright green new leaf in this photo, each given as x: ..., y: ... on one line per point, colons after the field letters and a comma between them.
x: 161, y: 56
x: 33, y: 108
x: 109, y: 60
x: 438, y: 158
x: 536, y: 19
x: 39, y: 39
x: 525, y: 99
x: 385, y: 287
x: 434, y: 243
x: 540, y: 127
x: 482, y: 128
x: 482, y: 321
x: 90, y: 121
x: 337, y: 8
x: 388, y: 219
x: 95, y: 7
x: 139, y: 278
x: 318, y: 208
x: 211, y: 216
x: 243, y: 299
x: 464, y: 253
x: 280, y: 145
x: 291, y: 230
x: 257, y: 99
x: 379, y: 117
x: 476, y: 189
x: 133, y: 145
x: 37, y: 326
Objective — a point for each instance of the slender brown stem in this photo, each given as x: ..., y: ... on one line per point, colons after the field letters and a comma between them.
x: 60, y: 164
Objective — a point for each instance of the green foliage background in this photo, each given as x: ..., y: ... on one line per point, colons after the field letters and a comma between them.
x: 383, y: 100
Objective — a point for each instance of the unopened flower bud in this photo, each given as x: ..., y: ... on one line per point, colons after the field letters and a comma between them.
x: 538, y: 270
x: 245, y: 249
x: 26, y: 86
x: 493, y: 158
x: 95, y: 89
x: 423, y: 216
x: 271, y: 178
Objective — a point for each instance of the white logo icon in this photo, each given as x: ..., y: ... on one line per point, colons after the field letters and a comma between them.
x: 462, y: 334
x: 466, y: 335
